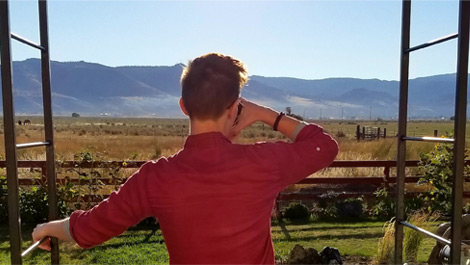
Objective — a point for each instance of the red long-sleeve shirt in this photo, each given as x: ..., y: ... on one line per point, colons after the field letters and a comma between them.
x: 213, y: 199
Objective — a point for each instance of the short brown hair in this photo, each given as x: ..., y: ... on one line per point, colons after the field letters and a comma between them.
x: 210, y: 84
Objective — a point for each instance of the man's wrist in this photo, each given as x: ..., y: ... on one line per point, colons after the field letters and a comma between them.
x: 268, y: 116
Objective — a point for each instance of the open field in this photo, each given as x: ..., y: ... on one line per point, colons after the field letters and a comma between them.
x: 108, y: 138
x: 150, y: 138
x: 147, y: 246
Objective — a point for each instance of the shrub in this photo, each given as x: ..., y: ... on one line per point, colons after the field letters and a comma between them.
x: 325, y: 208
x: 437, y: 168
x: 3, y: 200
x: 249, y: 134
x: 340, y: 134
x: 33, y: 201
x: 350, y: 208
x: 385, y: 207
x: 296, y: 211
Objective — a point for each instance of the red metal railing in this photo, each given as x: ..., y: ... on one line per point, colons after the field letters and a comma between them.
x: 377, y: 181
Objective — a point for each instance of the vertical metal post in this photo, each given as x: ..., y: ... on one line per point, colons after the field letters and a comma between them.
x: 402, y: 124
x: 48, y: 124
x: 14, y: 221
x: 459, y: 129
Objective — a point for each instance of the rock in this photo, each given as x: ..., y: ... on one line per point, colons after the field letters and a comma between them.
x: 298, y: 255
x: 313, y: 256
x: 328, y: 254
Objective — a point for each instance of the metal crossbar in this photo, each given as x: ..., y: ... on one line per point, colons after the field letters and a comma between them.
x: 433, y: 42
x: 459, y: 128
x: 29, y: 145
x: 429, y: 139
x: 33, y: 247
x: 423, y: 231
x: 26, y: 41
x: 9, y: 126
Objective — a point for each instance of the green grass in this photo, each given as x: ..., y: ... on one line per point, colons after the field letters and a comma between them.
x: 148, y: 247
x: 132, y: 247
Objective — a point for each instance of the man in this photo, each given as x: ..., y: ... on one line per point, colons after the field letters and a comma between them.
x: 213, y: 199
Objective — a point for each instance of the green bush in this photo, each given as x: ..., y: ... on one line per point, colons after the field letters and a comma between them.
x: 3, y: 200
x: 33, y: 202
x: 350, y: 208
x: 437, y: 169
x: 296, y: 211
x: 385, y: 206
x: 325, y: 207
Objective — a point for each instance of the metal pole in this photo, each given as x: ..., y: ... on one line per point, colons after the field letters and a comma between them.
x: 33, y: 247
x: 14, y: 221
x: 402, y: 124
x: 429, y: 234
x: 48, y: 125
x: 459, y: 130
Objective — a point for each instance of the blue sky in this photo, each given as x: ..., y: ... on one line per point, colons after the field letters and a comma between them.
x: 304, y: 39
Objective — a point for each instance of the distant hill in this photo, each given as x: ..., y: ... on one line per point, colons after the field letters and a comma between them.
x: 92, y: 89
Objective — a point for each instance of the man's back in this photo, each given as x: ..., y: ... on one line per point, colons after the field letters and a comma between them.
x: 213, y: 201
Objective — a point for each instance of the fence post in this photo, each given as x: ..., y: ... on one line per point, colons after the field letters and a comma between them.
x: 363, y: 133
x: 385, y: 133
x: 387, y: 176
x: 378, y: 133
x: 435, y: 133
x: 44, y: 174
x: 358, y: 132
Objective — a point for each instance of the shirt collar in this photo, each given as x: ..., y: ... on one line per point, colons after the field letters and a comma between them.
x: 206, y: 139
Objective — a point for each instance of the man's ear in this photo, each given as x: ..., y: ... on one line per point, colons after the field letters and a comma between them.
x: 183, y: 109
x: 232, y: 110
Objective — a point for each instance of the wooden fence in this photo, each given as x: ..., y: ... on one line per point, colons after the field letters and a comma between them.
x: 347, y: 184
x: 369, y: 133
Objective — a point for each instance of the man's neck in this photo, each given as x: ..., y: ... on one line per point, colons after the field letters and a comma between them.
x: 198, y: 127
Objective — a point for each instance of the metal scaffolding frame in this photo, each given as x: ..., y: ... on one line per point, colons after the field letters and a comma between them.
x: 9, y: 126
x: 459, y: 129
x: 11, y: 146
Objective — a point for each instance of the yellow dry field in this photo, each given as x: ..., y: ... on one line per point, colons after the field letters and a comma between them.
x: 125, y: 139
x: 150, y: 138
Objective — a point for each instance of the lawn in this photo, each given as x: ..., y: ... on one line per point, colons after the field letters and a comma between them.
x: 147, y: 247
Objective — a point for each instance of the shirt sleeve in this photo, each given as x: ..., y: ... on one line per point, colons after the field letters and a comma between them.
x: 113, y: 216
x: 312, y: 150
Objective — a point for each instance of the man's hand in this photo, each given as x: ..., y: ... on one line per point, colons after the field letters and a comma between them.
x: 58, y: 229
x: 39, y: 233
x: 250, y: 114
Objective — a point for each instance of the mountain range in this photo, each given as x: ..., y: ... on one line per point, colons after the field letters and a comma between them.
x: 94, y: 89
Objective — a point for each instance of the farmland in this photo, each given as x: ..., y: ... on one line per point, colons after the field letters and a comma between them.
x: 150, y: 138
